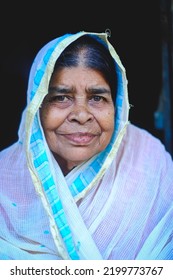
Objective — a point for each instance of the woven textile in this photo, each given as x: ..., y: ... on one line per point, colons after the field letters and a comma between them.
x: 117, y: 205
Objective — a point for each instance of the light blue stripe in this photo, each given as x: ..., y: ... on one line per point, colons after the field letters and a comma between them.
x: 96, y: 166
x: 36, y: 135
x: 56, y: 208
x: 77, y: 187
x: 40, y: 159
x: 48, y: 183
x: 38, y: 77
x: 43, y: 171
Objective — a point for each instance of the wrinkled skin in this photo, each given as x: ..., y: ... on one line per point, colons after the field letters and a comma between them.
x: 77, y: 115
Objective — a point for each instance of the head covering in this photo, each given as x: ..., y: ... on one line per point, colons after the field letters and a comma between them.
x: 52, y: 198
x: 39, y: 159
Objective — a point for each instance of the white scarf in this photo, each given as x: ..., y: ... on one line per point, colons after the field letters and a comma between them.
x: 115, y: 206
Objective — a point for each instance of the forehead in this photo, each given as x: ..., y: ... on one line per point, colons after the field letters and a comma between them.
x: 78, y: 75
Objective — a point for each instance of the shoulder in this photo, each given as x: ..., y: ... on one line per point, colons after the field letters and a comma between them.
x: 145, y: 149
x: 12, y: 156
x: 141, y: 138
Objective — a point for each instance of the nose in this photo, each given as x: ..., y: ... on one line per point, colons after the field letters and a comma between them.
x: 80, y: 114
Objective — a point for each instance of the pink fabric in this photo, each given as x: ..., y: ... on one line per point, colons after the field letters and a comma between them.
x: 124, y: 211
x: 132, y: 204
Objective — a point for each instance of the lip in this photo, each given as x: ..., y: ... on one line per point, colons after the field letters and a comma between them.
x: 80, y: 138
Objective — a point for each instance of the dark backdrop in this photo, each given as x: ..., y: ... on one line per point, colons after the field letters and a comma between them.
x: 136, y: 35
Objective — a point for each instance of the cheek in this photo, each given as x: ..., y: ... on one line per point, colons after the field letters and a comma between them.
x: 50, y: 119
x: 106, y: 120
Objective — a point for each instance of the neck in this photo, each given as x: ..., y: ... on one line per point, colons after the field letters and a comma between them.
x: 66, y: 166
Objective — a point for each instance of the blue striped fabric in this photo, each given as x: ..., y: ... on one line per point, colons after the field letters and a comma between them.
x: 41, y: 162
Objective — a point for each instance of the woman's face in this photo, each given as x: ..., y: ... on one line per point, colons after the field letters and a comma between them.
x: 77, y: 115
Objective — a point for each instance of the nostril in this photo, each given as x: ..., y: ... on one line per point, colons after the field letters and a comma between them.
x: 90, y: 119
x: 72, y: 120
x: 80, y: 116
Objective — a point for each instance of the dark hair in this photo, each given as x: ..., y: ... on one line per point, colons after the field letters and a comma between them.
x: 93, y: 53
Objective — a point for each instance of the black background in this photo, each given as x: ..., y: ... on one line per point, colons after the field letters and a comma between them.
x: 135, y: 34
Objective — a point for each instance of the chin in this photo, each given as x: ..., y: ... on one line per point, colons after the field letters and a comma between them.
x: 79, y: 159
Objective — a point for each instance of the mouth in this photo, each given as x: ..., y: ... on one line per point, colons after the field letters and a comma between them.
x: 80, y: 138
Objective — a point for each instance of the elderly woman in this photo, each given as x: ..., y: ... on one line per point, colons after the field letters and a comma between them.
x: 82, y: 182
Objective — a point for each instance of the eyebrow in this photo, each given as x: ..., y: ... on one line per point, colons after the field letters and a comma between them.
x: 59, y: 89
x: 91, y: 90
x: 99, y: 90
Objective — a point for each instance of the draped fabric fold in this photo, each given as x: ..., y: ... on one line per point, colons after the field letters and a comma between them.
x: 117, y: 205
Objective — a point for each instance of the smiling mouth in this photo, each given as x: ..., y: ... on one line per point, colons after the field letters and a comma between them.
x: 80, y: 138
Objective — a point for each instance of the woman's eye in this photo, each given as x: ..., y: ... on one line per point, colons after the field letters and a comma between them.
x: 97, y: 98
x: 59, y: 98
